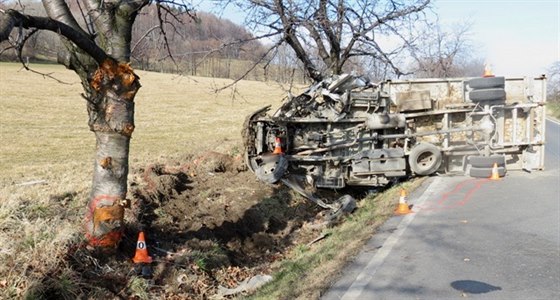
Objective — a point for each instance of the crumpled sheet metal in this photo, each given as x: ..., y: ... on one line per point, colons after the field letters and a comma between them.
x: 327, y: 99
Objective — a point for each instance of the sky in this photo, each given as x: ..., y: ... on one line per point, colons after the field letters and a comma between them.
x: 515, y: 37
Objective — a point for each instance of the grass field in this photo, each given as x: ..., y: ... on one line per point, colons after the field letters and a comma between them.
x: 43, y: 124
x: 44, y: 136
x: 44, y: 132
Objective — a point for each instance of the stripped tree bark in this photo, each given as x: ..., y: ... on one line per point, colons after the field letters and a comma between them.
x: 101, y: 60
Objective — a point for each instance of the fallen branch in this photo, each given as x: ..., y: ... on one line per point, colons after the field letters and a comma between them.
x: 33, y: 182
x: 322, y: 236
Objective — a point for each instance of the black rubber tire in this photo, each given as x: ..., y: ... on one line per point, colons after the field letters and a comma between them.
x: 486, y: 172
x: 487, y: 94
x: 487, y: 161
x: 487, y: 83
x: 425, y: 159
x: 272, y: 170
x: 346, y: 205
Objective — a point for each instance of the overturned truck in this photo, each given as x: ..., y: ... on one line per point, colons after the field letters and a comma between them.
x: 346, y: 131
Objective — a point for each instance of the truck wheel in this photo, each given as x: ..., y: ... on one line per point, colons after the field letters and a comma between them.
x: 486, y: 172
x: 272, y: 168
x: 487, y: 83
x: 424, y: 159
x: 487, y: 161
x: 487, y: 94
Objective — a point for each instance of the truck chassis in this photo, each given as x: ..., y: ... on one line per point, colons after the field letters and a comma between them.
x: 346, y: 131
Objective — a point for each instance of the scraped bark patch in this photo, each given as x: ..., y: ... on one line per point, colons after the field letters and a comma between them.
x: 104, y: 221
x: 111, y: 73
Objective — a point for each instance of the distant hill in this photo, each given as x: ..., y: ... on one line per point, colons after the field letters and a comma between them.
x: 196, y: 45
x: 205, y: 45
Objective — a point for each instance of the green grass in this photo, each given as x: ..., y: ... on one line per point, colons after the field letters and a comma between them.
x: 553, y: 110
x: 311, y: 269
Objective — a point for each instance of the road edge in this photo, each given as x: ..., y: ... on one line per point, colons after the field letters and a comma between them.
x: 382, y: 243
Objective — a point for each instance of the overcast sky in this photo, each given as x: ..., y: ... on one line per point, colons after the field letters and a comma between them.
x: 516, y: 37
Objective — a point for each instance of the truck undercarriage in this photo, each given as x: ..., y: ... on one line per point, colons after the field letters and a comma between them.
x: 346, y: 131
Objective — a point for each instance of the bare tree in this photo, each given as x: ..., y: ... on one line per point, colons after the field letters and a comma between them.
x: 553, y: 93
x: 326, y: 34
x: 445, y: 53
x: 99, y: 53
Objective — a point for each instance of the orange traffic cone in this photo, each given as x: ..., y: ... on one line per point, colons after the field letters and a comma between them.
x: 487, y: 71
x: 141, y: 256
x: 277, y: 146
x: 402, y: 208
x: 495, y: 174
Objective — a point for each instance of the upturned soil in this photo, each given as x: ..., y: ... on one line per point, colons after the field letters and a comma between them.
x: 208, y: 223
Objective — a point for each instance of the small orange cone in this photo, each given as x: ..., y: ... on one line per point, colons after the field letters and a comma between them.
x: 487, y: 71
x: 495, y: 174
x: 141, y: 256
x: 402, y: 208
x: 277, y: 146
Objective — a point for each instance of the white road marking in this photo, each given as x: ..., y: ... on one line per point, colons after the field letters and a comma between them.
x: 553, y: 121
x: 361, y: 281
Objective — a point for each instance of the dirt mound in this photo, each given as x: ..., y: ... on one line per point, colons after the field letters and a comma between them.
x: 209, y: 226
x: 210, y: 223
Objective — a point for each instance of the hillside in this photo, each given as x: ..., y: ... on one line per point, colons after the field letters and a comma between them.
x: 199, y: 43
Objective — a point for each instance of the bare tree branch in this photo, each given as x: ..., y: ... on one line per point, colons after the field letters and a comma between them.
x: 143, y: 37
x: 12, y: 18
x: 251, y: 68
x: 326, y: 34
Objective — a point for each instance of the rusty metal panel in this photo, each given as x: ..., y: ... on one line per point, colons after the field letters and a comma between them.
x: 414, y: 100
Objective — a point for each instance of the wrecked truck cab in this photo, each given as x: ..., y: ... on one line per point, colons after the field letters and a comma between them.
x: 346, y: 131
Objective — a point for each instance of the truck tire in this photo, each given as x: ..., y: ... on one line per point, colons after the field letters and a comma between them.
x: 487, y: 83
x: 424, y: 159
x: 487, y: 94
x: 486, y: 172
x: 487, y: 161
x: 272, y: 168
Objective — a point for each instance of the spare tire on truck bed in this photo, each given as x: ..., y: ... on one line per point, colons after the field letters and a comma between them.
x: 487, y: 161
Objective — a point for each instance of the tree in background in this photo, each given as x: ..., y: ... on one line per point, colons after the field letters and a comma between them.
x: 40, y: 45
x: 553, y: 88
x: 445, y: 53
x: 99, y: 52
x: 202, y: 46
x: 326, y: 35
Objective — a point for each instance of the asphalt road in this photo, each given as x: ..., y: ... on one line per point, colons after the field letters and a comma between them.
x: 468, y: 238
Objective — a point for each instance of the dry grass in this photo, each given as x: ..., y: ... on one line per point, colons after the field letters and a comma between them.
x: 43, y: 124
x: 312, y: 269
x: 553, y: 110
x: 44, y: 136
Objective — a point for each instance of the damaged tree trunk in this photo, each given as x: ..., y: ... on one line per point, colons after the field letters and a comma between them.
x: 100, y: 56
x: 111, y: 118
